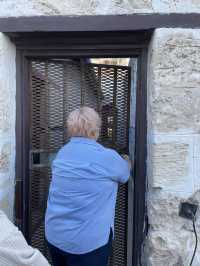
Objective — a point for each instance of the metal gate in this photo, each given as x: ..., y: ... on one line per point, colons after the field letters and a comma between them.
x: 58, y: 87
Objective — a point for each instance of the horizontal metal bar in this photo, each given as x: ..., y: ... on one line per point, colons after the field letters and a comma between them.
x: 81, y: 53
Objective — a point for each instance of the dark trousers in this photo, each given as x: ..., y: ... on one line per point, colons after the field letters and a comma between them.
x: 97, y: 257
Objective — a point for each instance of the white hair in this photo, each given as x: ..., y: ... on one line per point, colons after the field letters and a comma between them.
x: 84, y: 122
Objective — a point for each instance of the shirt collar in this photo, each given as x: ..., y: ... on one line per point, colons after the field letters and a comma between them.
x: 82, y: 140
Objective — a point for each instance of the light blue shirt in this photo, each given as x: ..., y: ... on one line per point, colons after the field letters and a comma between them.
x: 82, y: 195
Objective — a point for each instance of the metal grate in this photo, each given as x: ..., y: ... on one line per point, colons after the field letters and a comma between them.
x: 57, y: 88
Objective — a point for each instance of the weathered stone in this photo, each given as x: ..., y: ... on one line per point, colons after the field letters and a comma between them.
x: 173, y: 145
x: 91, y: 7
x: 72, y: 7
x: 196, y: 109
x: 7, y: 123
x: 185, y: 6
x: 197, y: 161
x: 197, y: 145
x: 173, y: 110
x: 175, y: 79
x: 6, y: 194
x: 197, y: 172
x: 4, y: 204
x: 146, y: 4
x: 171, y: 166
x: 5, y: 157
x: 171, y: 238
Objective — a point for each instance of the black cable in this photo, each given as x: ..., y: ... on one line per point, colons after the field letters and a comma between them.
x: 196, y: 243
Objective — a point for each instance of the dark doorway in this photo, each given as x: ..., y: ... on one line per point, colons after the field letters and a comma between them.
x: 43, y: 75
x: 56, y: 88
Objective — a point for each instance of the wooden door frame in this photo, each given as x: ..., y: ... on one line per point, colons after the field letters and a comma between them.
x: 128, y: 44
x: 62, y: 23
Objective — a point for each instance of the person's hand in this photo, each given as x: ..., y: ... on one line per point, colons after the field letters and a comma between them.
x: 127, y: 158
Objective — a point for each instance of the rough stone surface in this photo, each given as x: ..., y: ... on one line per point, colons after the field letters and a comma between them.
x: 7, y: 124
x: 4, y: 157
x: 173, y: 119
x: 172, y: 163
x: 91, y: 7
x: 173, y: 145
x: 72, y: 7
x: 185, y: 6
x: 175, y: 75
x: 171, y: 238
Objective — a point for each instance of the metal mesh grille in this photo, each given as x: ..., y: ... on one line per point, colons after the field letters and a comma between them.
x: 57, y: 88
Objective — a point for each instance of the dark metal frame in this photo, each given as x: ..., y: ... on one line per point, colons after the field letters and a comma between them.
x: 76, y: 45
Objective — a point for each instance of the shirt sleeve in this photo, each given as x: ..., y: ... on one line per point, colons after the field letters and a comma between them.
x: 118, y: 168
x: 14, y: 249
x: 20, y: 253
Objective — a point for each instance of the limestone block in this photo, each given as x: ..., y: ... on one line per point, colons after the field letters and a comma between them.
x: 138, y: 4
x: 167, y: 250
x: 174, y: 81
x: 172, y: 163
x: 4, y: 117
x: 197, y: 172
x: 173, y: 144
x: 72, y: 7
x: 92, y: 7
x: 177, y: 56
x: 196, y: 108
x: 171, y: 239
x: 164, y: 249
x: 176, y: 5
x: 6, y: 194
x: 7, y: 123
x: 172, y: 110
x: 5, y: 153
x: 163, y: 209
x: 7, y: 86
x: 197, y: 145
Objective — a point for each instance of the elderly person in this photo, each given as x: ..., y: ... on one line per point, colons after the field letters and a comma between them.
x: 14, y: 250
x: 79, y: 222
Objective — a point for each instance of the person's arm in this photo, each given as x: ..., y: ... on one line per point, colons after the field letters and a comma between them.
x: 14, y: 249
x: 118, y: 168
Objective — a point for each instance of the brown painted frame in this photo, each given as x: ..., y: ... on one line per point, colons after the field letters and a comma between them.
x: 89, y: 44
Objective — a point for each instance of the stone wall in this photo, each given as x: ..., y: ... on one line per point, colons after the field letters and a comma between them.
x: 94, y: 7
x: 173, y: 144
x: 173, y: 118
x: 7, y: 124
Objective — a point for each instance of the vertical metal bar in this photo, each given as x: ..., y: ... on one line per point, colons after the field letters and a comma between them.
x: 140, y: 157
x: 130, y: 182
x: 82, y: 67
x: 30, y: 145
x: 47, y: 113
x: 26, y: 146
x: 47, y: 140
x: 18, y: 212
x: 64, y: 100
x: 99, y: 90
x: 114, y: 137
x: 128, y: 106
x: 114, y: 107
